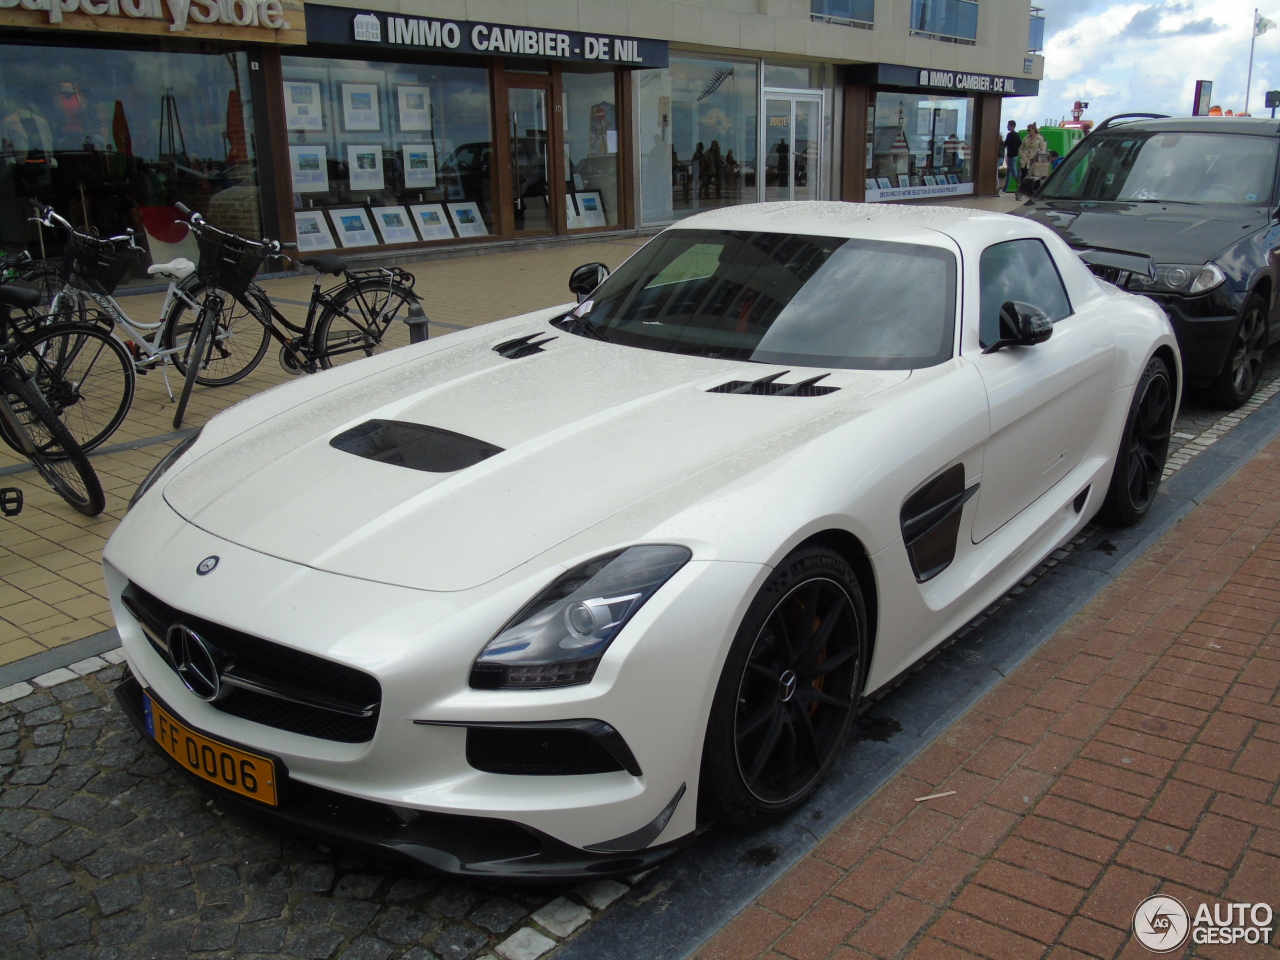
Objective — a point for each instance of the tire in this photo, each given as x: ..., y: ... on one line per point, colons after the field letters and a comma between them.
x: 1144, y: 447
x: 378, y: 306
x: 782, y: 710
x: 1239, y: 376
x: 46, y: 442
x: 240, y: 341
x: 209, y: 311
x: 86, y: 377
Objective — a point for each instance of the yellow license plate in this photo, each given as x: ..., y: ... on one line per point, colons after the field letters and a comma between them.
x: 243, y: 773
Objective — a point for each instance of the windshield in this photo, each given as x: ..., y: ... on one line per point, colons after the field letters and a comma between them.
x: 1180, y: 167
x: 782, y: 298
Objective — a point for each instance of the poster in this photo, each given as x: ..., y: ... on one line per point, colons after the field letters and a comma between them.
x: 303, y: 109
x: 432, y: 222
x: 310, y: 168
x: 467, y: 220
x: 590, y: 208
x: 419, y: 166
x: 313, y: 230
x: 394, y: 224
x: 353, y: 227
x: 364, y: 165
x: 360, y: 106
x: 572, y: 220
x: 415, y: 107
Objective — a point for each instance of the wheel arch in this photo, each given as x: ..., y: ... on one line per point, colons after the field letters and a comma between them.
x: 1166, y: 353
x: 854, y: 553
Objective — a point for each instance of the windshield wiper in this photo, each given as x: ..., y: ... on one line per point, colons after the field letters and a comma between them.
x: 575, y: 324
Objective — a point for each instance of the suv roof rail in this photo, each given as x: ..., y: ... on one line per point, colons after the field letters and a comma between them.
x: 1129, y: 116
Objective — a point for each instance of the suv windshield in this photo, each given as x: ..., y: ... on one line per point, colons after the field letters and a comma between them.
x: 1181, y: 167
x: 782, y: 298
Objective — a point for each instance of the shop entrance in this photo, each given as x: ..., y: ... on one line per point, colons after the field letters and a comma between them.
x: 792, y: 146
x: 530, y: 189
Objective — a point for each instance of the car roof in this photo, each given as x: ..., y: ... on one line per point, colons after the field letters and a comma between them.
x: 835, y: 218
x: 1255, y: 126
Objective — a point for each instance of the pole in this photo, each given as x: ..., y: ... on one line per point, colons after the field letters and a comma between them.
x: 1253, y: 38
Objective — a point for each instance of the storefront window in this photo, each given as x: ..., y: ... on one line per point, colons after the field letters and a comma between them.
x: 919, y: 145
x: 698, y: 130
x: 113, y: 139
x: 591, y: 148
x: 386, y: 153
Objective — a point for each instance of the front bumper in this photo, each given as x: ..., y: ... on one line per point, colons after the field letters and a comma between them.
x: 478, y: 847
x: 1205, y: 335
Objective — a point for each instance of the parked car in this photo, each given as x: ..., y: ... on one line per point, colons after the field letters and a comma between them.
x: 544, y: 597
x: 1195, y: 198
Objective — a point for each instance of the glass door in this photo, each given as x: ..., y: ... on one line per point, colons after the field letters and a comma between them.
x: 530, y: 161
x: 792, y: 148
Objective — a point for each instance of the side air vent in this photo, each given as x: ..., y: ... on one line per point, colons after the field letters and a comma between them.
x: 770, y: 387
x: 522, y: 346
x: 413, y: 445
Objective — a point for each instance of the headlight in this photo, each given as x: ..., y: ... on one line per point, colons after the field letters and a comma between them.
x: 559, y: 637
x: 158, y: 471
x: 1186, y: 279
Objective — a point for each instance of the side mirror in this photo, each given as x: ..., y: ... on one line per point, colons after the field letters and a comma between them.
x: 586, y: 278
x: 1021, y: 325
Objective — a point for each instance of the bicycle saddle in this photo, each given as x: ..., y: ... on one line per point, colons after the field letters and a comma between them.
x: 178, y: 269
x: 326, y: 263
x: 20, y: 297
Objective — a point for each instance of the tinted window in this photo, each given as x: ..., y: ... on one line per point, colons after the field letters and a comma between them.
x: 1180, y: 167
x: 783, y: 298
x: 1019, y: 270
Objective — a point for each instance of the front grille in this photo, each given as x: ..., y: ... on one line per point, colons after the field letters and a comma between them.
x: 537, y: 752
x: 339, y: 703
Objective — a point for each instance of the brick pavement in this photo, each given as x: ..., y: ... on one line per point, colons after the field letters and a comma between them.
x: 1136, y: 752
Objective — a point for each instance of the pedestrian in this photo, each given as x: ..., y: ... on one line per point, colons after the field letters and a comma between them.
x: 1012, y: 144
x: 1033, y: 159
x: 715, y: 161
x: 699, y: 164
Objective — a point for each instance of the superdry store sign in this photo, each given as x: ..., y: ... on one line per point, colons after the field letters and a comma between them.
x: 347, y: 27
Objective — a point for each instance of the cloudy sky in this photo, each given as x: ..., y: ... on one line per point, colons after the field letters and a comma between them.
x: 1123, y: 57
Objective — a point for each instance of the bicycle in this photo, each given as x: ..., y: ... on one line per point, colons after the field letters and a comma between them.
x: 33, y: 430
x: 352, y: 319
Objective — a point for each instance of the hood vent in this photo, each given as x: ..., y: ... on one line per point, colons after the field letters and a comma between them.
x: 769, y: 387
x: 522, y: 346
x: 413, y: 445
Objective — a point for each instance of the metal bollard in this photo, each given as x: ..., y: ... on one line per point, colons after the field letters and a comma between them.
x: 416, y: 318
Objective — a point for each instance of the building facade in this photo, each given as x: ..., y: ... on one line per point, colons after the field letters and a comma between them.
x: 403, y: 125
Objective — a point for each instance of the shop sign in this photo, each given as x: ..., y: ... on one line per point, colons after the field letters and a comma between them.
x: 881, y: 192
x: 894, y: 75
x: 337, y: 25
x: 195, y: 18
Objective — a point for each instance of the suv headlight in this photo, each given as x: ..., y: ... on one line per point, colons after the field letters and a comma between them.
x: 1187, y: 279
x: 557, y: 640
x: 158, y: 471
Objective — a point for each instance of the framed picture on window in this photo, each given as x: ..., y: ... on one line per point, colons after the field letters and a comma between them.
x: 394, y: 224
x: 313, y: 230
x: 904, y: 180
x: 590, y: 209
x: 353, y: 227
x: 467, y: 219
x: 885, y: 183
x: 871, y: 184
x: 419, y: 166
x: 310, y: 168
x: 930, y: 181
x: 364, y: 167
x: 415, y: 107
x: 572, y: 220
x: 303, y: 107
x: 360, y: 106
x: 432, y: 221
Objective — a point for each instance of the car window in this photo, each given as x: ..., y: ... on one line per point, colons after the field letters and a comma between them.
x: 1197, y: 167
x: 783, y: 298
x: 1020, y: 270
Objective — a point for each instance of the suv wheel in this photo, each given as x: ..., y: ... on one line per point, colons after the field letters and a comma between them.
x: 1239, y: 377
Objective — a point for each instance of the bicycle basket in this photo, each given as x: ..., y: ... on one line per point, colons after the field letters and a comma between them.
x: 98, y: 265
x: 227, y: 261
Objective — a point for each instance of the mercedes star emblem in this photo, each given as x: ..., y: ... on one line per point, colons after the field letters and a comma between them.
x: 207, y: 565
x: 193, y: 659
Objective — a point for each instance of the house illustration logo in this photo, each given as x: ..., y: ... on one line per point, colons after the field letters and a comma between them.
x: 367, y: 27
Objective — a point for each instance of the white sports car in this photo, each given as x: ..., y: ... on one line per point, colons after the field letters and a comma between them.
x: 541, y: 598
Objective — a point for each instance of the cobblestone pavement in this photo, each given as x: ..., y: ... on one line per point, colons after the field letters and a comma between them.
x: 107, y: 853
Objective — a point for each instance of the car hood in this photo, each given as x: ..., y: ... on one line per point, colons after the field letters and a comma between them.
x: 1166, y: 232
x: 585, y: 429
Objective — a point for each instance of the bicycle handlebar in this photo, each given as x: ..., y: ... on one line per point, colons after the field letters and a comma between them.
x: 49, y: 217
x: 198, y: 223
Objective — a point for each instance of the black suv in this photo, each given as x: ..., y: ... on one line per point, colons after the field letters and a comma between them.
x: 1185, y: 211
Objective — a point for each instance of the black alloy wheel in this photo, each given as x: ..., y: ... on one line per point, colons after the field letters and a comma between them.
x: 1239, y: 378
x: 1144, y: 447
x: 788, y: 692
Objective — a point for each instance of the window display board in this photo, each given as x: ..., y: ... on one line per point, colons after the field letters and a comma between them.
x: 919, y: 145
x: 432, y: 221
x: 467, y: 220
x: 395, y: 225
x: 313, y: 231
x: 353, y: 227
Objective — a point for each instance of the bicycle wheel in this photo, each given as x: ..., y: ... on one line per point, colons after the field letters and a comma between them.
x: 240, y: 339
x: 44, y: 276
x: 86, y: 377
x: 49, y: 446
x: 210, y: 309
x: 365, y: 317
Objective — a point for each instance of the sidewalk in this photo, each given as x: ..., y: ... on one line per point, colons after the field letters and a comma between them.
x: 1136, y: 752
